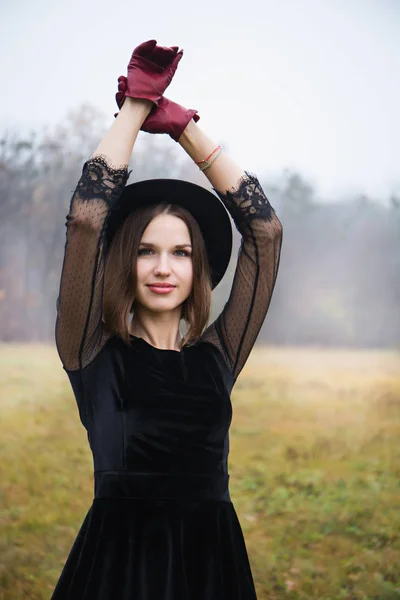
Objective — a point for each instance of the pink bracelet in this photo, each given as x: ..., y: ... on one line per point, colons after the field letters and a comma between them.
x: 207, y: 162
x: 209, y: 156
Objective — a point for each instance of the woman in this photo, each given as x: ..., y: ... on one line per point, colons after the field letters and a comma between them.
x: 156, y: 404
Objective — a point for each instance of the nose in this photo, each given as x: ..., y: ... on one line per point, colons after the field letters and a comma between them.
x: 162, y: 267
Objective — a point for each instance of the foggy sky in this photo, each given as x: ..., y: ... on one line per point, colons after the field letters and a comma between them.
x: 311, y: 85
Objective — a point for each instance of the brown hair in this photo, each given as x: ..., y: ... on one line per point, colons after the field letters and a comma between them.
x: 120, y: 273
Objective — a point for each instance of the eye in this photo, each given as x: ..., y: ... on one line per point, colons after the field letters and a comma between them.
x: 143, y: 250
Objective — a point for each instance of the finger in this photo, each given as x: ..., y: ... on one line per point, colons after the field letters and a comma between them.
x: 168, y: 49
x: 173, y: 64
x: 122, y: 83
x: 177, y: 59
x: 163, y: 55
x: 119, y: 96
x: 145, y: 48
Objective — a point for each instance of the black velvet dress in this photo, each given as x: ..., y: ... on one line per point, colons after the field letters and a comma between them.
x: 162, y: 525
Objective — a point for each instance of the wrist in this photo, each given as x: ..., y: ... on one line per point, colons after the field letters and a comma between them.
x: 188, y: 133
x: 137, y: 105
x: 196, y: 143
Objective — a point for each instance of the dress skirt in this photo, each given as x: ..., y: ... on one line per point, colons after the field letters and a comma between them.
x: 158, y: 537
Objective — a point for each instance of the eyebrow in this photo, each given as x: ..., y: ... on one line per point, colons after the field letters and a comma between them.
x: 149, y: 244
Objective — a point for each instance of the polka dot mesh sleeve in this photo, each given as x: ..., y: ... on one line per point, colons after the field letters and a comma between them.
x: 79, y: 332
x: 235, y: 330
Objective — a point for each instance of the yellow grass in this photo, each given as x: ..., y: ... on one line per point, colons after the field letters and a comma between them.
x: 314, y: 464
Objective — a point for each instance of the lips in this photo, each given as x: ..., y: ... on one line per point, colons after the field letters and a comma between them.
x: 161, y: 288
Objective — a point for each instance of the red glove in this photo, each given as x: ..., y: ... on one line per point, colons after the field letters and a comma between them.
x: 169, y: 117
x: 150, y: 71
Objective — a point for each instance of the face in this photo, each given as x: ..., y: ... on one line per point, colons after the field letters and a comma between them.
x: 165, y: 256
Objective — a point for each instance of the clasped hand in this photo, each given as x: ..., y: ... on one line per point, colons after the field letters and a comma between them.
x: 150, y: 71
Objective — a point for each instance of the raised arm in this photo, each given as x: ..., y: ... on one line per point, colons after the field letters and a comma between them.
x: 79, y: 333
x: 79, y: 327
x: 236, y: 329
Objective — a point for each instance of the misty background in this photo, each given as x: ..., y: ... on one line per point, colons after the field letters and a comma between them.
x: 304, y: 94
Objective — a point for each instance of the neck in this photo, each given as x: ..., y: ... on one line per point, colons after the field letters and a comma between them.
x: 159, y: 333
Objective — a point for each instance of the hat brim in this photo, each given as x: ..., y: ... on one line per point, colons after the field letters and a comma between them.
x: 205, y: 206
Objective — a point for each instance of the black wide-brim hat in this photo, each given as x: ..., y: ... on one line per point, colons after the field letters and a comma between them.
x: 205, y: 206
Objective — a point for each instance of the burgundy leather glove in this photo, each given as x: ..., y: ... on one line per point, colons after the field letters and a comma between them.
x: 168, y: 117
x: 150, y: 71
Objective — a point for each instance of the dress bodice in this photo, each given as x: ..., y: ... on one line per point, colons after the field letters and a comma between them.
x: 154, y: 410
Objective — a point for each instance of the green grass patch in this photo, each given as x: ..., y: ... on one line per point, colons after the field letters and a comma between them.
x: 314, y: 465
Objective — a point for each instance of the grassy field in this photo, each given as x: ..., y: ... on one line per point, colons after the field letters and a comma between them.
x: 314, y: 464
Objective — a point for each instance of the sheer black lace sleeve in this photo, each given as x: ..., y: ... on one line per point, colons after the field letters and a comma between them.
x: 79, y: 332
x: 235, y: 330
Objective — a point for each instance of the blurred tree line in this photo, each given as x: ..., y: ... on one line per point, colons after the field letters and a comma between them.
x: 339, y: 275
